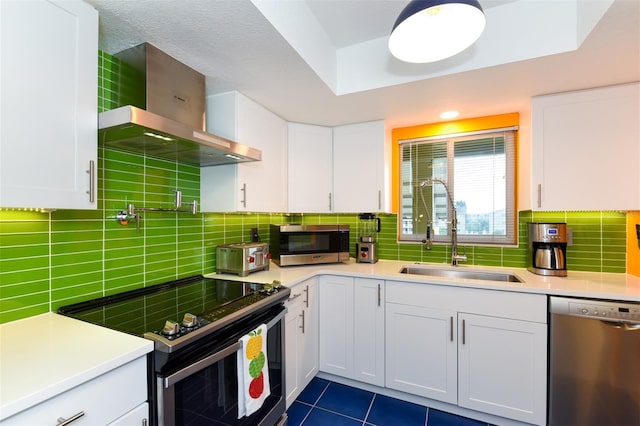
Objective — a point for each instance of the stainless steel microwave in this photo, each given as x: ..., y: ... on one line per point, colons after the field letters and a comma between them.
x: 308, y: 244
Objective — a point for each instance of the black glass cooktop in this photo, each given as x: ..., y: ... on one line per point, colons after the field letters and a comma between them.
x: 204, y: 301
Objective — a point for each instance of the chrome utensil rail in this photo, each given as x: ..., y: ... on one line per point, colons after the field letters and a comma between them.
x: 123, y: 216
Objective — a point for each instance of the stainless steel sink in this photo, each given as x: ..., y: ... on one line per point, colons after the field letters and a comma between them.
x: 460, y: 273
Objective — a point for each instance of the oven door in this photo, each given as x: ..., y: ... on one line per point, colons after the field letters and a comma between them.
x: 206, y: 391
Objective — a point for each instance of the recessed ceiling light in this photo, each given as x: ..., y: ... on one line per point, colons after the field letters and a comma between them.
x: 448, y: 115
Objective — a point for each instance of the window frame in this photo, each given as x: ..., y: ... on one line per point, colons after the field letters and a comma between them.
x: 511, y: 216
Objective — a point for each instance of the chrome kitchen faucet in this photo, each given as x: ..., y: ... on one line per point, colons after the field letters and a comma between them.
x: 455, y: 257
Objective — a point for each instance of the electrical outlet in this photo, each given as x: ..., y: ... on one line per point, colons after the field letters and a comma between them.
x: 569, y: 237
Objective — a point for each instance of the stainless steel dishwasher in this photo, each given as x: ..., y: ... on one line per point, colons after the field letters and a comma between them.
x: 594, y: 365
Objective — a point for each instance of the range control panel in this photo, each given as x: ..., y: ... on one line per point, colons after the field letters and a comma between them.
x: 604, y: 310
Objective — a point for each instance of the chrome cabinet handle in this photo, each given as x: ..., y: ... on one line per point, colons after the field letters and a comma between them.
x: 451, y: 326
x: 539, y: 195
x: 92, y: 187
x: 330, y: 202
x: 379, y: 294
x: 302, y: 326
x: 379, y: 200
x: 244, y: 195
x: 464, y: 334
x: 64, y: 422
x: 306, y: 301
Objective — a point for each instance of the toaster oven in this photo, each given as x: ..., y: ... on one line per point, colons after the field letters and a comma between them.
x: 242, y: 258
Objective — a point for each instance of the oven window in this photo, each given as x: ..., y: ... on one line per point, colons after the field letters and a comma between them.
x: 210, y: 396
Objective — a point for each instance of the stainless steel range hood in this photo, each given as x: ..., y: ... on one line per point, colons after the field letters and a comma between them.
x: 159, y: 112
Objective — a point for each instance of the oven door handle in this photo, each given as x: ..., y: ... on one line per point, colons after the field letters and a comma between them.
x: 211, y: 359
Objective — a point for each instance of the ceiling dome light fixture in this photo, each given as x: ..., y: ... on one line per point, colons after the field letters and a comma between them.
x: 431, y: 30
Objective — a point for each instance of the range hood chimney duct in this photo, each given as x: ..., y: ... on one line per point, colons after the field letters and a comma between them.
x: 159, y: 111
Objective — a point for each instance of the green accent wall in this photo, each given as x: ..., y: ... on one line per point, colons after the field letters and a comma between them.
x: 48, y: 260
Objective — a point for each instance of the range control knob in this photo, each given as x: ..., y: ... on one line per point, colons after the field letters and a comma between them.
x: 189, y: 320
x: 171, y: 328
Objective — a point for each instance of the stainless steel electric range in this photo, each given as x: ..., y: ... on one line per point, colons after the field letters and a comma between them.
x: 195, y: 324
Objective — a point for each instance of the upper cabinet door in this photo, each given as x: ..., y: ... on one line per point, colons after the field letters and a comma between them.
x: 266, y: 180
x: 250, y: 187
x: 361, y: 165
x: 310, y: 177
x: 586, y: 149
x: 344, y: 169
x: 48, y: 111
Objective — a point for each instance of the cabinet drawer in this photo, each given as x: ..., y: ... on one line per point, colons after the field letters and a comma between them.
x: 102, y: 399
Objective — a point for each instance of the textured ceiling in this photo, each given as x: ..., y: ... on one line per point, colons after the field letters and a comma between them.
x: 237, y: 48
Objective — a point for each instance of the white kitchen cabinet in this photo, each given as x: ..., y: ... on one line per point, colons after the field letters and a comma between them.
x: 352, y: 328
x: 368, y: 331
x: 344, y: 169
x: 310, y: 169
x: 126, y: 390
x: 301, y: 338
x: 48, y: 111
x: 422, y: 351
x: 479, y: 349
x: 361, y: 168
x: 336, y: 324
x: 502, y: 367
x: 258, y: 186
x: 585, y: 150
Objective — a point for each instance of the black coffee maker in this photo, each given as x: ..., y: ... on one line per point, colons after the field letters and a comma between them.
x: 548, y: 249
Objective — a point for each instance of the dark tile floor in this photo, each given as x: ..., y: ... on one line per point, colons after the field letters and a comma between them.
x: 325, y: 403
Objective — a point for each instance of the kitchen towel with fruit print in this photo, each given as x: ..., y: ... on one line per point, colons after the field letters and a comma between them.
x: 253, y: 371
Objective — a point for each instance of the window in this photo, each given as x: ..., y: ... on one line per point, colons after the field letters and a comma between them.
x: 477, y: 169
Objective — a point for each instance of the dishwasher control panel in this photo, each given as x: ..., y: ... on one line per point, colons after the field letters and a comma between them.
x: 611, y: 310
x: 628, y: 312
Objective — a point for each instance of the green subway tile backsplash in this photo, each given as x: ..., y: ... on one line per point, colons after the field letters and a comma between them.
x: 51, y: 259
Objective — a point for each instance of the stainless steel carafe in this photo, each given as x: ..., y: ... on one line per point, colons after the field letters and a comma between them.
x: 550, y: 257
x: 547, y: 249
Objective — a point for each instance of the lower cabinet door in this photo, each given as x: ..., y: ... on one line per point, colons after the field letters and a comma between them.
x: 336, y: 325
x: 368, y: 332
x: 292, y: 341
x: 301, y: 339
x: 308, y: 330
x: 502, y: 367
x: 421, y: 355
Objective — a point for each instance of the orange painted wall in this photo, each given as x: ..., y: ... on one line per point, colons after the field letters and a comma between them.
x: 446, y: 128
x: 633, y: 250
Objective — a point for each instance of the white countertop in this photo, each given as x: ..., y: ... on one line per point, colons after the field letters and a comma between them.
x: 576, y: 283
x: 48, y: 354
